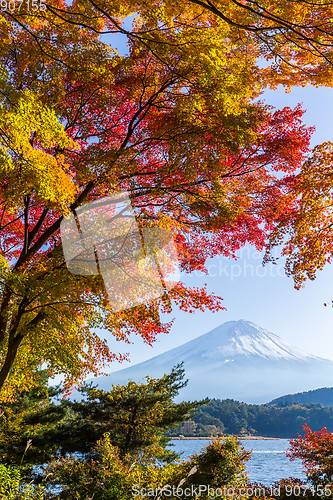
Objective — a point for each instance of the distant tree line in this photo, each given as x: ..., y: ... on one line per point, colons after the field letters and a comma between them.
x: 283, y: 420
x: 324, y: 395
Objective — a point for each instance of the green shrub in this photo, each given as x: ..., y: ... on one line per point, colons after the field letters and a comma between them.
x: 110, y: 476
x: 11, y: 487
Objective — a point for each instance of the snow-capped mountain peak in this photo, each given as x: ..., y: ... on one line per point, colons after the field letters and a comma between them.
x: 237, y: 338
x: 243, y: 338
x: 237, y: 360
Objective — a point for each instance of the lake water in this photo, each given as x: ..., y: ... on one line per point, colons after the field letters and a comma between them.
x: 267, y: 465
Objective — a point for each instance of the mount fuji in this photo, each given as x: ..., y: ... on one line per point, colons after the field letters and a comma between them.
x: 237, y: 360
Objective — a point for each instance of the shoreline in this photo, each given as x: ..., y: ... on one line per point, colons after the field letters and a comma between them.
x: 209, y: 438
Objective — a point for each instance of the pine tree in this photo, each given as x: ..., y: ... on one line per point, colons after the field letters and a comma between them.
x: 136, y: 416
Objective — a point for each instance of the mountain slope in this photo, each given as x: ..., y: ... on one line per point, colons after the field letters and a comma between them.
x: 237, y: 360
x: 323, y: 396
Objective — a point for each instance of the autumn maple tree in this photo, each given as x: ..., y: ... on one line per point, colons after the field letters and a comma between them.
x: 307, y: 232
x: 295, y: 37
x: 176, y: 123
x: 315, y: 450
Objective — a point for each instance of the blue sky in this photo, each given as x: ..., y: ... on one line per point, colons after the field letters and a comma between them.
x: 262, y: 295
